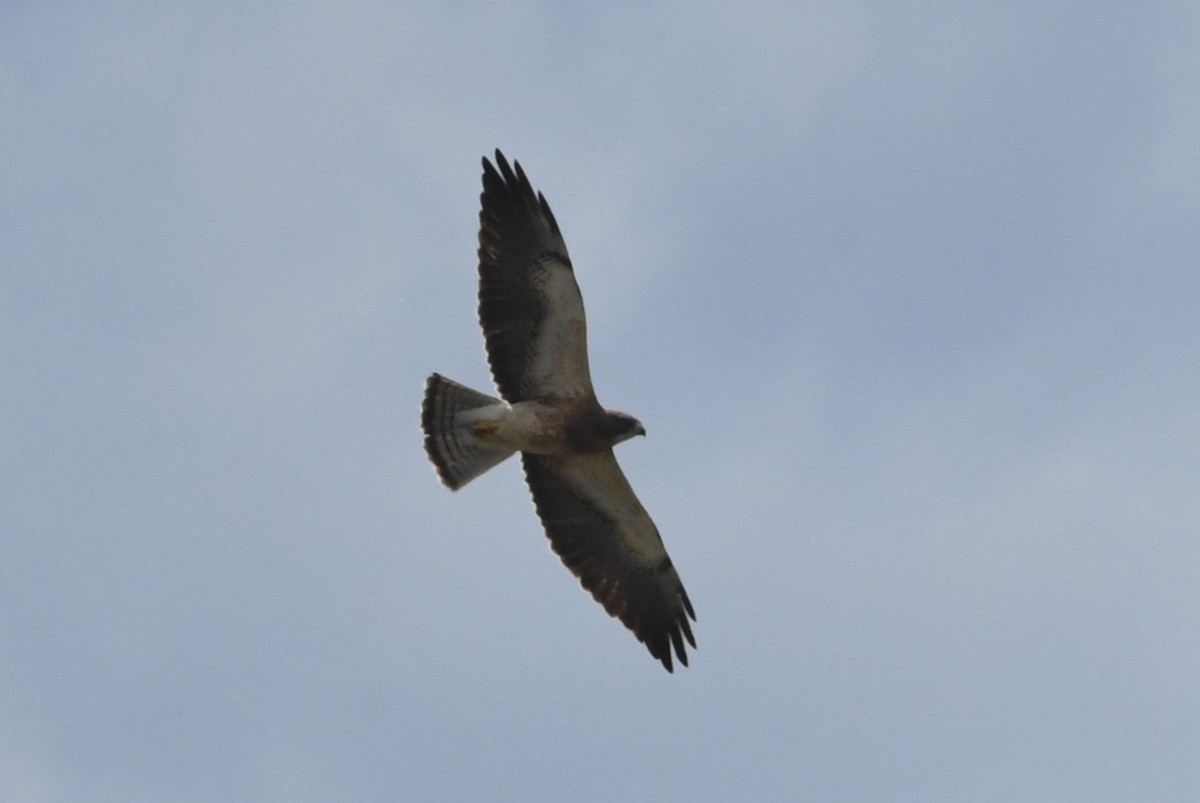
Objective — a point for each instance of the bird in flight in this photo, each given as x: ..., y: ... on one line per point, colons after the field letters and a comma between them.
x: 535, y: 335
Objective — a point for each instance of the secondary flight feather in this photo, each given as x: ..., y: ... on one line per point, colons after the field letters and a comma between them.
x: 535, y: 335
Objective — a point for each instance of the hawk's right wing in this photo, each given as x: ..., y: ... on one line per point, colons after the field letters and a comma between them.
x: 606, y: 538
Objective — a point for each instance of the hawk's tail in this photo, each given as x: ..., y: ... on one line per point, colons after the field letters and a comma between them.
x: 456, y: 451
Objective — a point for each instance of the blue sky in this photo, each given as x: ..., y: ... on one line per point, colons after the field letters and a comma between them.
x: 905, y: 296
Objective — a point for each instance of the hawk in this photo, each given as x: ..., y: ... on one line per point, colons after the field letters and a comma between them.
x: 536, y: 340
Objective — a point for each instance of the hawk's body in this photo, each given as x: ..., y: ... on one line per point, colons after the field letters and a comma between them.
x: 536, y: 336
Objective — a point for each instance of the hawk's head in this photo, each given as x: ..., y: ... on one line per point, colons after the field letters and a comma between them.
x: 620, y: 427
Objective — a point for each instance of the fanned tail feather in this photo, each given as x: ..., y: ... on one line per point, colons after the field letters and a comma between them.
x: 457, y: 453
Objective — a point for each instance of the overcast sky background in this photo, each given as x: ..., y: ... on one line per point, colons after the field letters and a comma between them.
x: 907, y: 297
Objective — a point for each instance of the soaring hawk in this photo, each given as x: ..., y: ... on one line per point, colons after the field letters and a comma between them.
x: 536, y: 338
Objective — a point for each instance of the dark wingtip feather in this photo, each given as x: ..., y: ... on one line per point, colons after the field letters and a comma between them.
x: 666, y: 661
x: 687, y: 631
x: 687, y: 604
x: 677, y: 641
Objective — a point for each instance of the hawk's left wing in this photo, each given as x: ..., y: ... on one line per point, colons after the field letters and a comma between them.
x: 529, y: 303
x: 604, y: 535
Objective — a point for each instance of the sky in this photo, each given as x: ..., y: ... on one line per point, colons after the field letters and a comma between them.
x: 905, y: 295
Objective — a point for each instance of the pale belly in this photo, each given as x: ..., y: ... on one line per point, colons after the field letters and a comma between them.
x: 528, y: 426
